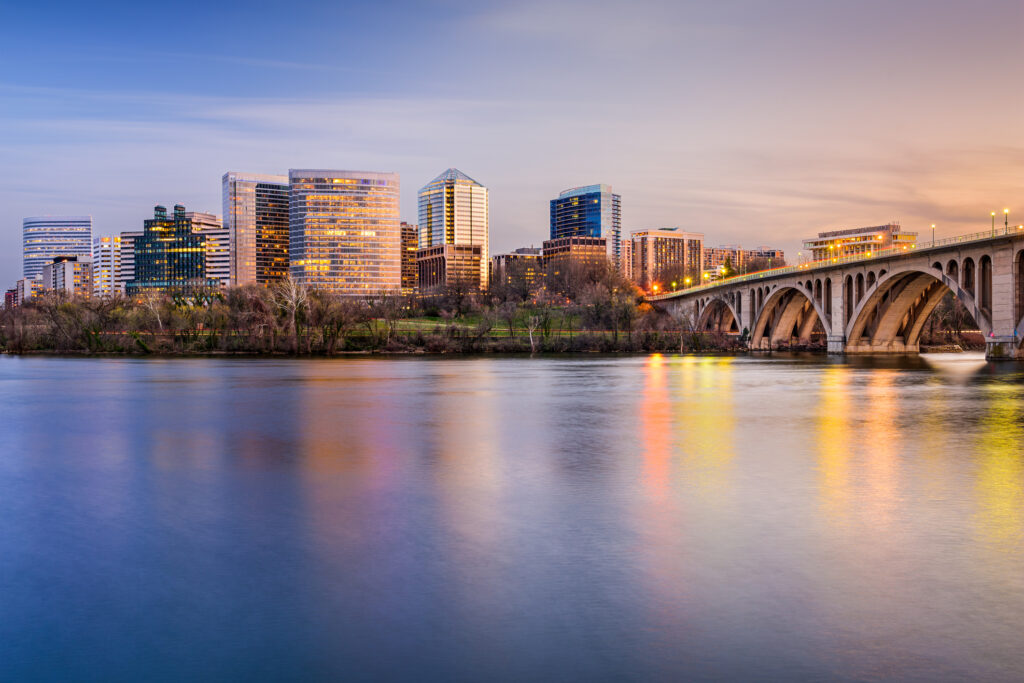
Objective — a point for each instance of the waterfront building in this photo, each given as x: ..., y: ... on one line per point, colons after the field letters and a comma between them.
x: 256, y: 218
x: 858, y: 241
x: 170, y: 256
x: 626, y: 259
x: 525, y: 265
x: 453, y: 210
x: 410, y: 246
x: 106, y: 266
x: 44, y: 237
x: 126, y: 259
x: 762, y: 257
x: 449, y: 266
x: 217, y: 243
x: 589, y: 211
x: 715, y: 258
x: 582, y: 252
x: 28, y: 287
x: 344, y: 231
x: 70, y: 274
x: 665, y: 255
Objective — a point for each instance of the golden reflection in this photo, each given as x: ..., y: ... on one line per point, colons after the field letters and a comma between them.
x: 656, y: 427
x: 1000, y: 477
x: 881, y: 439
x: 707, y: 422
x: 834, y: 415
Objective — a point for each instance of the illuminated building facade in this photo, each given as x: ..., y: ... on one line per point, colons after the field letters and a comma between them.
x: 590, y: 211
x: 449, y: 266
x: 71, y: 274
x: 28, y: 287
x: 581, y: 252
x: 126, y: 259
x: 11, y: 298
x: 858, y: 241
x: 44, y: 237
x: 715, y: 258
x: 667, y: 254
x: 453, y: 210
x: 170, y: 256
x: 626, y: 261
x: 256, y: 218
x: 106, y: 266
x: 410, y: 245
x: 525, y: 264
x: 344, y: 231
x: 217, y: 244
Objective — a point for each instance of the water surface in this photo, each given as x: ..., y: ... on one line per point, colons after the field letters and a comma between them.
x: 634, y: 518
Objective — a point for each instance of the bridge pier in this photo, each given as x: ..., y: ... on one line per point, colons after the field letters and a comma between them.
x: 1003, y: 348
x: 836, y: 344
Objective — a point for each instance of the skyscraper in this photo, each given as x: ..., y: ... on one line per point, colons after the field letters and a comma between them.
x: 106, y: 266
x: 126, y: 259
x: 453, y: 210
x: 170, y: 255
x: 44, y: 237
x: 410, y: 245
x: 344, y: 231
x: 217, y: 244
x: 256, y: 217
x: 666, y: 255
x: 590, y: 211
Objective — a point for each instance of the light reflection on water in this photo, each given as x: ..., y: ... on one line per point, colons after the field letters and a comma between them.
x: 642, y: 518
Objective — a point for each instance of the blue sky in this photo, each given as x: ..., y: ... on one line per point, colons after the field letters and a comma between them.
x: 751, y: 121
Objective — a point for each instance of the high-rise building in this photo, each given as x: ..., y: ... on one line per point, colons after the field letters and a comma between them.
x: 344, y: 231
x: 170, y: 256
x: 256, y: 217
x: 858, y: 241
x: 766, y: 257
x: 28, y: 287
x: 666, y: 255
x: 126, y: 259
x: 447, y: 266
x: 11, y: 298
x: 106, y: 266
x: 525, y: 264
x: 71, y: 274
x: 453, y: 210
x: 44, y: 237
x: 590, y: 211
x: 218, y: 245
x: 626, y: 257
x: 579, y: 251
x: 716, y: 258
x: 410, y: 245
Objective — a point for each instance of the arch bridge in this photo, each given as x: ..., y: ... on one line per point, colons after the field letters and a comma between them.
x: 870, y: 304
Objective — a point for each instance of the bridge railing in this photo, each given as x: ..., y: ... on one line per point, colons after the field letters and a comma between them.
x: 829, y: 263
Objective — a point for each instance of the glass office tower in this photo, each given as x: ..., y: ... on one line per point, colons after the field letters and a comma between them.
x: 106, y: 266
x: 45, y: 237
x: 453, y: 210
x: 256, y: 217
x: 344, y: 231
x: 590, y: 211
x: 170, y: 256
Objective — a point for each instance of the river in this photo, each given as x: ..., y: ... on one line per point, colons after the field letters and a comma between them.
x: 566, y: 518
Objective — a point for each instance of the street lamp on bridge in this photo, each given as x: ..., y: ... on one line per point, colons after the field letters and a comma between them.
x: 1006, y: 219
x: 993, y: 223
x: 933, y: 234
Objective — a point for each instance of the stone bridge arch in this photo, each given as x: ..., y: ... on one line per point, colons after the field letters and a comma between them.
x: 891, y: 316
x: 788, y: 311
x: 718, y: 312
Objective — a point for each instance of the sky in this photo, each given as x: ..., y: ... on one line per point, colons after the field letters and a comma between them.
x: 752, y: 121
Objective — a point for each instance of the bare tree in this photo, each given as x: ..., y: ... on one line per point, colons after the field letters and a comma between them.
x: 291, y: 299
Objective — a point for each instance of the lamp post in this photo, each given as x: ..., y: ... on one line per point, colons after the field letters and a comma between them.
x: 1006, y: 219
x: 687, y: 281
x: 933, y: 234
x: 993, y: 223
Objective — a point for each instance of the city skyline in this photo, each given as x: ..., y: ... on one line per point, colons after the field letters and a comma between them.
x: 764, y: 126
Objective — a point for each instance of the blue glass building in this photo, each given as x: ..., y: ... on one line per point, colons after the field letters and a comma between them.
x: 590, y: 211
